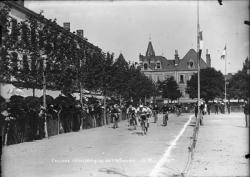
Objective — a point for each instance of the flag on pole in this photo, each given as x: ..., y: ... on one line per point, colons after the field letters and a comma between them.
x: 224, y: 53
x: 201, y: 40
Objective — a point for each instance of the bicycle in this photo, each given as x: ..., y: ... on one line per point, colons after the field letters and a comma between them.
x: 144, y: 124
x: 132, y: 120
x: 165, y: 119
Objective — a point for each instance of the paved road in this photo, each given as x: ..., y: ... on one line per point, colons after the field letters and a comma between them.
x: 102, y: 152
x: 106, y: 152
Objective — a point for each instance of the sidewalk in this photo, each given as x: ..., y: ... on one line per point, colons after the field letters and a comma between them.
x: 222, y: 144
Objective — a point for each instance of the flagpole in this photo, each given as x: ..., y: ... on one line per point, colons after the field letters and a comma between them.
x: 198, y: 55
x: 225, y: 77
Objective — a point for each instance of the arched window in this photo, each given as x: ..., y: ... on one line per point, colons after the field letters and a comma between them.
x: 145, y: 66
x: 190, y: 64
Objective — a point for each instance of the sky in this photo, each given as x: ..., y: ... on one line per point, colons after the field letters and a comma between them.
x: 127, y: 26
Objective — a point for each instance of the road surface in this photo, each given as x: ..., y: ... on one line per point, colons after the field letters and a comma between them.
x: 98, y: 152
x: 122, y: 152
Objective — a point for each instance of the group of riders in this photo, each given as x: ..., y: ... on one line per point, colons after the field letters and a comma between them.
x: 140, y: 115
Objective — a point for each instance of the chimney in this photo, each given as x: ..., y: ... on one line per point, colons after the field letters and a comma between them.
x: 176, y: 57
x: 66, y: 26
x: 208, y: 59
x: 79, y: 33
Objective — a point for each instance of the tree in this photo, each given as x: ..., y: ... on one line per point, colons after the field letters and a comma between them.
x: 238, y: 86
x: 5, y: 43
x: 120, y: 76
x: 169, y: 89
x: 211, y: 84
x: 139, y: 85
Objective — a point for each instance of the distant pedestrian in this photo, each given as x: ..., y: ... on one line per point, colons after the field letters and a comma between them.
x: 246, y: 112
x: 196, y: 110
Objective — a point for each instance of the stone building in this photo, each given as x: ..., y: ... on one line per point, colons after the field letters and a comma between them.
x: 160, y: 68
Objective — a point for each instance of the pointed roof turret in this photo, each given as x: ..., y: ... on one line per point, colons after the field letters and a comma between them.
x: 150, y: 51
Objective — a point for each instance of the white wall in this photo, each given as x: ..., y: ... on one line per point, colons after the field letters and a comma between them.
x: 6, y: 88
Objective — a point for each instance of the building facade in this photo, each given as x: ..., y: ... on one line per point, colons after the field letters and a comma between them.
x: 159, y: 68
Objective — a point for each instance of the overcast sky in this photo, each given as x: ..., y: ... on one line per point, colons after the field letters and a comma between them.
x: 127, y: 26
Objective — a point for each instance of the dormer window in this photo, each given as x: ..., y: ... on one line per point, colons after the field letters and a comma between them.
x: 190, y: 64
x: 158, y: 65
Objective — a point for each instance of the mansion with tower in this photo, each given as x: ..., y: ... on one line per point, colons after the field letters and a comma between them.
x: 159, y: 68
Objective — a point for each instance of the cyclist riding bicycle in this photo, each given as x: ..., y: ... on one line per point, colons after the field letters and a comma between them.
x: 142, y: 113
x: 165, y: 111
x: 155, y: 112
x: 131, y: 116
x: 115, y: 111
x: 149, y: 114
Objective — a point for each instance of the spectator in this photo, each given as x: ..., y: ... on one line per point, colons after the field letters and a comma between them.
x: 196, y: 110
x: 246, y: 112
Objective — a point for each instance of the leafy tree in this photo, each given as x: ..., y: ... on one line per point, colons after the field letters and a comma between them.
x: 139, y: 85
x: 169, y: 89
x: 4, y: 25
x: 211, y: 84
x: 120, y: 76
x: 107, y: 74
x: 238, y: 86
x: 14, y: 64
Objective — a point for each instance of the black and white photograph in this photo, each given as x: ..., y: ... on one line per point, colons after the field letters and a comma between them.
x: 124, y: 88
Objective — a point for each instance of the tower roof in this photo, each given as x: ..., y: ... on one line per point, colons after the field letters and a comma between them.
x: 150, y: 50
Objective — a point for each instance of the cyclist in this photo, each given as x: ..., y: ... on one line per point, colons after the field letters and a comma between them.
x: 149, y: 114
x: 165, y: 111
x: 131, y: 116
x: 155, y: 112
x: 142, y: 113
x: 115, y: 111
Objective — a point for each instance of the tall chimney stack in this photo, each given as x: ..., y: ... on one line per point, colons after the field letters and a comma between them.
x: 79, y: 33
x: 208, y: 59
x: 176, y: 57
x: 66, y: 26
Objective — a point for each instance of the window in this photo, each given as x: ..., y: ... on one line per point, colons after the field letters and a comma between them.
x: 190, y: 64
x: 158, y: 65
x: 181, y: 78
x: 145, y: 66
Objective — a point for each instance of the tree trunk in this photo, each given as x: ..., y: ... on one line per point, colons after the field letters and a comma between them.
x: 33, y: 90
x: 105, y: 110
